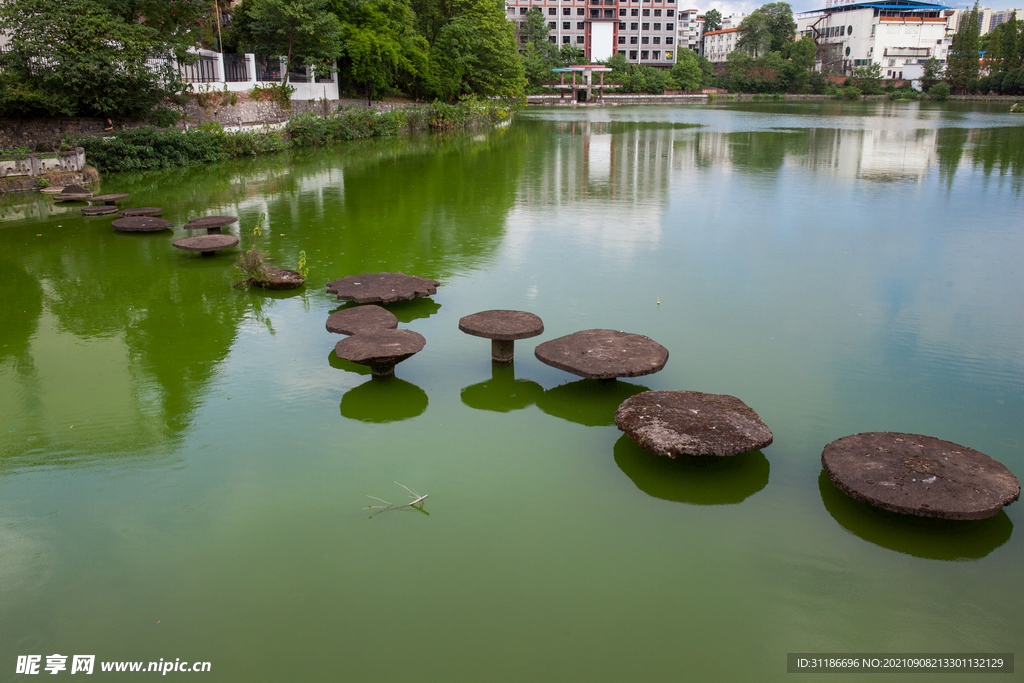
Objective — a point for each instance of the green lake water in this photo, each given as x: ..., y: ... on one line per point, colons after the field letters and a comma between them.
x: 184, y: 465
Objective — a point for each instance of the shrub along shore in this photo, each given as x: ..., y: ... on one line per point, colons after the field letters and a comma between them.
x: 151, y: 147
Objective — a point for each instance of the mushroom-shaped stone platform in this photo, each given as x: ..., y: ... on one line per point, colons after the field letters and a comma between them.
x: 211, y: 224
x: 502, y: 328
x: 919, y: 475
x: 380, y: 349
x: 110, y: 199
x: 674, y: 423
x: 100, y: 210
x: 382, y: 288
x: 361, y: 319
x: 72, y: 193
x: 140, y: 211
x: 603, y: 354
x: 205, y: 244
x: 141, y: 224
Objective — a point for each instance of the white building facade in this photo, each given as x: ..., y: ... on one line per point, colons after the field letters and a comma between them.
x: 718, y: 44
x: 643, y: 31
x: 898, y: 35
x: 691, y: 30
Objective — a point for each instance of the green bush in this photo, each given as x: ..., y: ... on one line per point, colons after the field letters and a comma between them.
x: 939, y: 91
x: 163, y: 117
x: 848, y: 93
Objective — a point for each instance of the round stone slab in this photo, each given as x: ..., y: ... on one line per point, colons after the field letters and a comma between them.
x: 98, y: 210
x: 207, y: 244
x: 674, y: 423
x: 207, y: 222
x: 380, y: 349
x: 141, y: 224
x: 141, y: 211
x: 502, y: 328
x: 919, y: 475
x: 384, y: 288
x: 107, y: 198
x: 361, y: 319
x: 603, y: 354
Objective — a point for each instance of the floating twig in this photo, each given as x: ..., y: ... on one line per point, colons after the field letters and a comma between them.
x: 417, y: 502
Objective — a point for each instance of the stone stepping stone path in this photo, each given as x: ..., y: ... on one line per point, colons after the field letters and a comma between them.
x: 380, y: 349
x: 674, y: 423
x: 110, y: 199
x: 141, y: 211
x: 361, y: 319
x: 603, y: 354
x: 381, y: 288
x: 919, y: 475
x: 141, y: 224
x: 205, y: 244
x: 211, y: 224
x: 502, y: 328
x: 100, y: 210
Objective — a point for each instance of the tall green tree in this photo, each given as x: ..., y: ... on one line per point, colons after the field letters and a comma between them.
x: 687, y: 72
x: 993, y: 51
x: 1008, y: 42
x: 932, y: 73
x: 712, y: 21
x: 768, y: 29
x: 540, y: 55
x: 962, y: 60
x: 300, y: 30
x: 83, y: 57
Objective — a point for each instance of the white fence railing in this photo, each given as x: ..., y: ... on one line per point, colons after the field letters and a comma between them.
x: 241, y: 73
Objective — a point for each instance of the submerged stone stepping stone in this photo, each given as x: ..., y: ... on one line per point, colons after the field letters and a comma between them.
x: 674, y: 423
x: 380, y: 349
x: 502, y: 328
x: 361, y: 319
x: 205, y: 244
x: 141, y: 224
x: 107, y: 198
x: 603, y: 354
x: 72, y: 193
x: 101, y: 210
x: 383, y: 288
x: 919, y: 475
x: 211, y: 224
x: 141, y: 211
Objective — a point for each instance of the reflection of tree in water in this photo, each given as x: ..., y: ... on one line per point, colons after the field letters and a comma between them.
x: 708, y: 480
x: 949, y: 147
x: 22, y: 303
x: 934, y: 539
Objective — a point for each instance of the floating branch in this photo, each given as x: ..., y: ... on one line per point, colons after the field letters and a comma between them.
x: 416, y: 503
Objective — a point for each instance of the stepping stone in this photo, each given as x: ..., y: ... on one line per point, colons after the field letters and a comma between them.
x: 502, y: 328
x: 205, y: 244
x: 919, y: 475
x: 674, y: 423
x: 361, y: 319
x: 98, y: 210
x: 141, y: 224
x: 383, y: 288
x: 141, y: 211
x: 277, y: 278
x: 211, y: 224
x: 603, y: 354
x: 380, y: 349
x: 107, y: 198
x: 72, y: 193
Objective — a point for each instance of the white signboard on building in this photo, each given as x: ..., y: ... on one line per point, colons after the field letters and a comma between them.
x: 601, y: 46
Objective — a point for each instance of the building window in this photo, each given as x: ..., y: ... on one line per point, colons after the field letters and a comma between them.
x: 668, y: 56
x: 634, y: 26
x: 622, y: 52
x: 522, y: 10
x: 579, y: 11
x: 622, y: 40
x: 647, y: 12
x: 657, y: 40
x: 670, y: 27
x: 595, y: 14
x: 849, y: 30
x: 668, y: 41
x: 580, y: 25
x: 643, y: 54
x: 657, y: 26
x: 645, y: 40
x: 632, y: 54
x: 670, y: 13
x: 579, y: 39
x: 566, y: 11
x: 566, y: 25
x: 657, y: 12
x: 565, y: 39
x: 622, y: 12
x: 632, y: 40
x: 646, y: 26
x: 656, y: 55
x: 842, y: 30
x: 622, y: 26
x: 551, y: 39
x: 634, y: 12
x: 847, y: 52
x: 609, y: 14
x: 552, y: 11
x: 552, y: 25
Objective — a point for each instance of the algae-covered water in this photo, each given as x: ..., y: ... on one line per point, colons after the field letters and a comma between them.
x: 184, y: 465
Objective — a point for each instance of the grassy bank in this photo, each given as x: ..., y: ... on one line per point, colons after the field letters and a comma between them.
x: 151, y: 148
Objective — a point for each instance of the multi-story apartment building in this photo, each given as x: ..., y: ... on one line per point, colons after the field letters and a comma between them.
x: 691, y: 30
x: 718, y: 44
x: 898, y: 35
x: 644, y: 31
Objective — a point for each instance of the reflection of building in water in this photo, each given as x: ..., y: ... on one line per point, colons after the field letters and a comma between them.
x: 870, y: 154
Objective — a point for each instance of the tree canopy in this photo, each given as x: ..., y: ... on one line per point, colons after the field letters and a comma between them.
x: 768, y: 29
x: 712, y: 21
x: 962, y: 60
x: 301, y: 30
